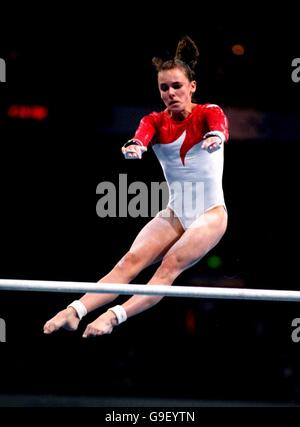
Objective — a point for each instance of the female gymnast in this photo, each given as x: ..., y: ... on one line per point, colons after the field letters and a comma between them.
x: 188, y: 140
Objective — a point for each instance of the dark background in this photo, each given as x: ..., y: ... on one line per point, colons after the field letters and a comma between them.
x: 85, y: 66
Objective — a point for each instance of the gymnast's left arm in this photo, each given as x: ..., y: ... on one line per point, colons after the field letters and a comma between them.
x: 217, y: 123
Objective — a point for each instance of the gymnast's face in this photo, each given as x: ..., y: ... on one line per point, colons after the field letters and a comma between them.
x: 176, y: 90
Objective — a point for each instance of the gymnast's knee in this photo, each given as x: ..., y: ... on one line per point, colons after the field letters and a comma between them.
x: 171, y: 266
x: 130, y: 263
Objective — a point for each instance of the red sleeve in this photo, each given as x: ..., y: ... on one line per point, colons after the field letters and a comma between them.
x: 146, y: 129
x: 216, y: 120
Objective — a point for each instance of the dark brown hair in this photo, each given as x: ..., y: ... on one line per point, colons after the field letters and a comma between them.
x: 186, y: 58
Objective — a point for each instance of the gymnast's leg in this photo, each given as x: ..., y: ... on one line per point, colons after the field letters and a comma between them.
x: 194, y: 243
x: 150, y: 245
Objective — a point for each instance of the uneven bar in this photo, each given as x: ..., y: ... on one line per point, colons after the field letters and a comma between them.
x: 162, y: 290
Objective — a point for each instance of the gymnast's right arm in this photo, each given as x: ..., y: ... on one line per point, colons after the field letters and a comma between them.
x: 135, y: 147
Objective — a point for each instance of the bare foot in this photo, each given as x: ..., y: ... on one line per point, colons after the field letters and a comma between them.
x: 104, y: 324
x: 66, y: 319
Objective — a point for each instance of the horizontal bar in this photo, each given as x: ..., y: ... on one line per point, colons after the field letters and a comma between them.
x: 160, y: 290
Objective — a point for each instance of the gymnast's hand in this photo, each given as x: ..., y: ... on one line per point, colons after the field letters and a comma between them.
x: 66, y: 319
x: 133, y: 151
x: 211, y: 144
x: 104, y: 324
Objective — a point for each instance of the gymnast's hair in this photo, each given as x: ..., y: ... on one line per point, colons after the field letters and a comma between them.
x: 186, y: 58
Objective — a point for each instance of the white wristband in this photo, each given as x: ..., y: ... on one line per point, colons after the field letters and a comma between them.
x: 216, y: 133
x: 119, y: 312
x: 79, y: 307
